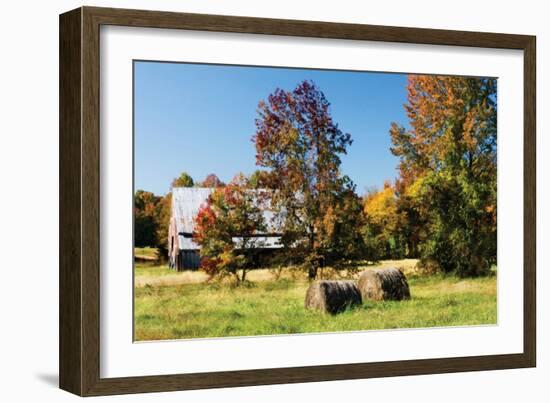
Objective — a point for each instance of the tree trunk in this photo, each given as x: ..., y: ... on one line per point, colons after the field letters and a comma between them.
x: 314, y: 263
x: 312, y: 272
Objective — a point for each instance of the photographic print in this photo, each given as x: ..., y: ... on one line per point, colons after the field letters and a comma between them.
x: 277, y: 201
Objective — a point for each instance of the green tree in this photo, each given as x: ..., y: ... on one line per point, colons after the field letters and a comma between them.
x: 151, y: 220
x: 383, y: 224
x: 184, y: 180
x: 145, y: 223
x: 414, y: 215
x: 449, y: 155
x: 163, y: 212
x: 340, y: 232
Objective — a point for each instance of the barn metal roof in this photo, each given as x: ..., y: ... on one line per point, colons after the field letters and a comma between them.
x: 186, y: 203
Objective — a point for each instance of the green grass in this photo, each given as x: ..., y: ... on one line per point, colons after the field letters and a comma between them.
x: 277, y: 307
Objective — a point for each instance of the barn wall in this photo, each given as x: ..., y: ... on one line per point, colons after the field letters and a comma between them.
x: 187, y: 260
x: 173, y: 246
x: 190, y: 259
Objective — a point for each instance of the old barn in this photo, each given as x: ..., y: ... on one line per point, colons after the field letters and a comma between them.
x: 183, y: 253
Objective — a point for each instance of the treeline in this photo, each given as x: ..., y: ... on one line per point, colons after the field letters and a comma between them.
x: 151, y: 220
x: 441, y: 208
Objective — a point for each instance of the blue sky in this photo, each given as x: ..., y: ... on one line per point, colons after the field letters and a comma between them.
x: 200, y: 119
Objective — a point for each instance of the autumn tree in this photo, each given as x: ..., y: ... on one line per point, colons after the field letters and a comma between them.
x: 449, y: 156
x: 414, y: 213
x: 383, y: 224
x: 225, y: 228
x: 184, y: 180
x: 340, y: 233
x: 163, y: 212
x: 300, y: 145
x: 151, y: 219
x: 145, y: 224
x: 212, y: 181
x: 259, y: 179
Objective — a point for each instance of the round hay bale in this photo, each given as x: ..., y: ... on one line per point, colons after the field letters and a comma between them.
x: 332, y: 296
x: 383, y: 284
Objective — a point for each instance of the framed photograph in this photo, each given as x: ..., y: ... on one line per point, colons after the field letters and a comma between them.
x: 248, y: 201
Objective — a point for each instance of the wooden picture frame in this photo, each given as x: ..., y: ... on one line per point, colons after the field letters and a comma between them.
x: 79, y: 346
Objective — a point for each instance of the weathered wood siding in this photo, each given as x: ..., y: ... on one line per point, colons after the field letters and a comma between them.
x: 189, y: 260
x: 173, y: 245
x: 179, y: 259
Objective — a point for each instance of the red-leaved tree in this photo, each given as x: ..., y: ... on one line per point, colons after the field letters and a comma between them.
x: 226, y: 228
x: 212, y: 181
x: 299, y: 145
